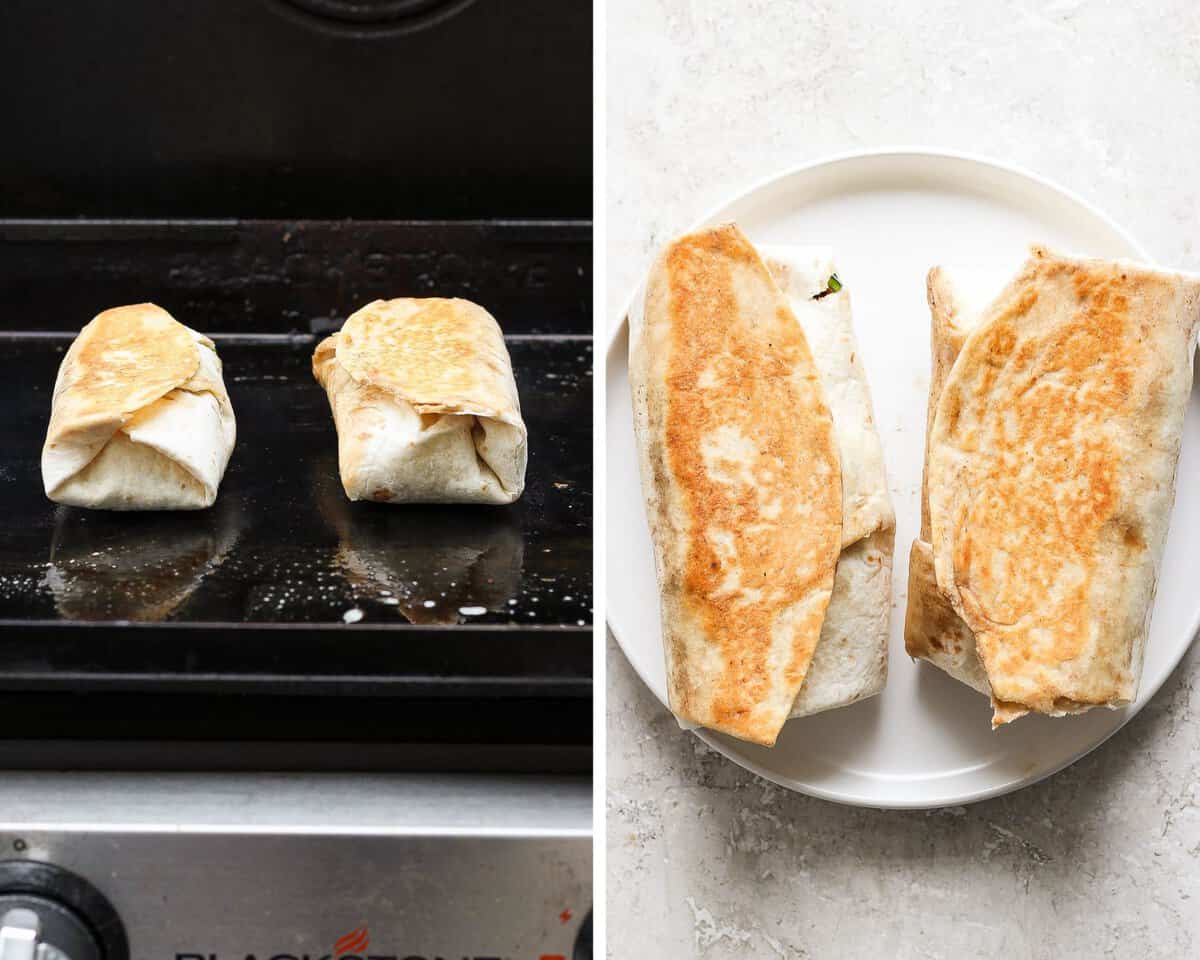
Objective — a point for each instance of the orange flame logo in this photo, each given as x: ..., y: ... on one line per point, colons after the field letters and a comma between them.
x: 354, y: 942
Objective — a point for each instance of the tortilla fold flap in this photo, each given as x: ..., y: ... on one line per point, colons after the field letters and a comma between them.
x: 850, y: 662
x: 140, y: 418
x: 425, y: 404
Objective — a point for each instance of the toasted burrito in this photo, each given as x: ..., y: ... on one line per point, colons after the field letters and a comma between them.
x: 140, y: 418
x: 425, y: 404
x: 764, y: 484
x: 1054, y: 424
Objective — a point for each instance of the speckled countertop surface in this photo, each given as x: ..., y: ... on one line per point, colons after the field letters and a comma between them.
x: 705, y: 860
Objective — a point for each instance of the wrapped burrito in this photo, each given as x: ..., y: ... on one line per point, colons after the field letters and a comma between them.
x: 1054, y: 424
x: 764, y: 483
x: 425, y: 404
x: 140, y: 418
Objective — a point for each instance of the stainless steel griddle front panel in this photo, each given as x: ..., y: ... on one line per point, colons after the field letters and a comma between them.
x: 285, y: 867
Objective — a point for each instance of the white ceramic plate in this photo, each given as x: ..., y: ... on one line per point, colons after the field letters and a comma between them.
x: 926, y: 741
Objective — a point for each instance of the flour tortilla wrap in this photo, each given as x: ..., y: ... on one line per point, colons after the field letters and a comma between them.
x: 1050, y: 477
x: 425, y: 404
x: 741, y: 464
x: 850, y: 662
x: 140, y: 418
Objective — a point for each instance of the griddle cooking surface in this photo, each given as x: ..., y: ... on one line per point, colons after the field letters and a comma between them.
x: 284, y: 589
x: 283, y: 544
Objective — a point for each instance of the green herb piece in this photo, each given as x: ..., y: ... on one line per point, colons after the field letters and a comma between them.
x: 833, y: 286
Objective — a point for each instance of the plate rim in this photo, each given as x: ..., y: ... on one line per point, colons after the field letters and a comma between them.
x: 618, y: 330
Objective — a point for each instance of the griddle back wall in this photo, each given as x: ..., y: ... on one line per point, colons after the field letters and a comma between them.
x: 172, y: 108
x: 283, y: 276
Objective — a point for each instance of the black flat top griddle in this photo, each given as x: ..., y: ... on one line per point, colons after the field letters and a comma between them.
x: 286, y: 591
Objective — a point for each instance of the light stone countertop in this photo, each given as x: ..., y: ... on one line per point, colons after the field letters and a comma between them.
x: 705, y: 860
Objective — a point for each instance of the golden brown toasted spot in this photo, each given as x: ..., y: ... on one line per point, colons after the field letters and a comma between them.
x: 126, y: 358
x: 747, y: 427
x: 1131, y: 537
x: 123, y: 361
x: 446, y: 354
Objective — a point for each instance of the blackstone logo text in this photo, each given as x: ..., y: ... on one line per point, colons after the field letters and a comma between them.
x: 347, y: 956
x: 353, y: 946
